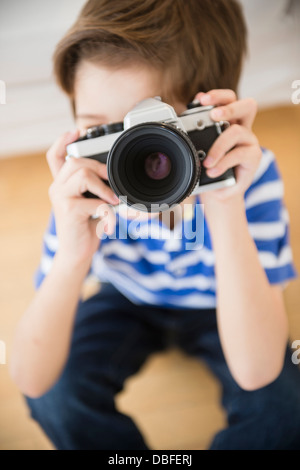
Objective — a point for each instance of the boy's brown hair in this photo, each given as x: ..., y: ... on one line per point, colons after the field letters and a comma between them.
x: 198, y: 45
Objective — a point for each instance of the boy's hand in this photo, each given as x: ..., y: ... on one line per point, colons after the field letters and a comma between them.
x: 76, y: 230
x: 236, y: 147
x: 56, y: 155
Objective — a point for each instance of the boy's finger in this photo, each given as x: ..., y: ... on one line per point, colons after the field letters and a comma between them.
x: 234, y: 135
x: 74, y: 164
x: 241, y: 154
x: 216, y: 97
x: 107, y: 220
x: 102, y: 213
x: 57, y: 152
x: 241, y: 111
x: 86, y: 180
x: 89, y: 206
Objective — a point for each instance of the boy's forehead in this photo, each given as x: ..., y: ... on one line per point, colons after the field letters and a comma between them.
x: 103, y: 91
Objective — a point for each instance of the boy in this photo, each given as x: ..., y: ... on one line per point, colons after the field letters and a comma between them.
x: 72, y: 357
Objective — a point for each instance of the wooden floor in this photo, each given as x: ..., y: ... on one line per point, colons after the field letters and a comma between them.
x: 173, y: 399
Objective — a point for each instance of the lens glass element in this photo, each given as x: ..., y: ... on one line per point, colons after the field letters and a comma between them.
x: 157, y: 166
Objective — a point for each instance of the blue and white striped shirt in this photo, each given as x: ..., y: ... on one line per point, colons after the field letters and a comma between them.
x: 159, y: 270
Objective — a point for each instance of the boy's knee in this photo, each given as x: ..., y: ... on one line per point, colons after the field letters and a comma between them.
x: 78, y: 413
x: 55, y: 408
x: 268, y: 418
x: 65, y: 406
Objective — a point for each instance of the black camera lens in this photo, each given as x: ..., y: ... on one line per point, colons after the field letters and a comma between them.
x: 153, y: 164
x: 157, y: 165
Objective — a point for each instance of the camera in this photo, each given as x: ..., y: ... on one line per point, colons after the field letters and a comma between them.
x: 154, y: 158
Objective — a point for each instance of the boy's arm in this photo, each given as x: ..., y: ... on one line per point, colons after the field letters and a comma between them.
x: 42, y: 338
x: 251, y: 313
x: 43, y: 335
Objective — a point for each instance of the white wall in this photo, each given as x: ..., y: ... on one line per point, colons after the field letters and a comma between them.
x: 36, y: 112
x: 273, y: 61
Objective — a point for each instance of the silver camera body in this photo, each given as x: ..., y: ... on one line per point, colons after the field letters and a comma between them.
x: 155, y: 156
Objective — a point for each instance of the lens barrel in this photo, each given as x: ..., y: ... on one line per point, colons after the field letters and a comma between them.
x: 153, y: 164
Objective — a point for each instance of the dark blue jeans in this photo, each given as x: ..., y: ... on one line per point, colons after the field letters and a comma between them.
x: 113, y: 337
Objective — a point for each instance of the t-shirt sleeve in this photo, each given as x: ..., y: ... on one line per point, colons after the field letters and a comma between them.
x: 49, y: 248
x: 268, y: 221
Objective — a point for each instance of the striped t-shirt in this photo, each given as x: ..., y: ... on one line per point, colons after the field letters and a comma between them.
x: 153, y: 266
